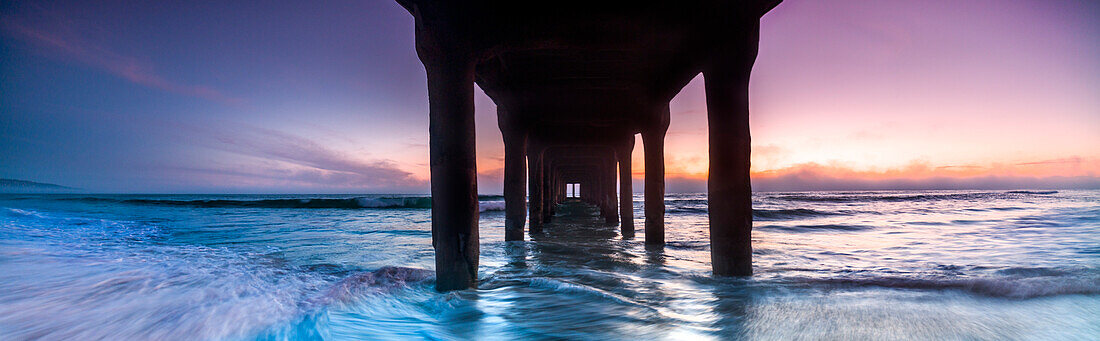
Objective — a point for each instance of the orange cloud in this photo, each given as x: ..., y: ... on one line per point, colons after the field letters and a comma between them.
x: 1071, y: 172
x: 1065, y: 167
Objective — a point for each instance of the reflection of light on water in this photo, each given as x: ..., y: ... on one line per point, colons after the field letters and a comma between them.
x: 687, y: 333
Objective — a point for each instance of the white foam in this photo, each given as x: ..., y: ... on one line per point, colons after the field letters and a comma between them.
x: 491, y: 206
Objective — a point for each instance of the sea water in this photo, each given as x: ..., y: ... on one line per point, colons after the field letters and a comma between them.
x: 986, y: 265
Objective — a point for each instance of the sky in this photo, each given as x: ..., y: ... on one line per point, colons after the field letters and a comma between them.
x: 329, y: 97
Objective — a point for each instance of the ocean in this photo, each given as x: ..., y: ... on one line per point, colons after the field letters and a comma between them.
x: 974, y: 265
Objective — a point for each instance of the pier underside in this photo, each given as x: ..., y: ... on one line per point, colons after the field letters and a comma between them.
x: 574, y: 82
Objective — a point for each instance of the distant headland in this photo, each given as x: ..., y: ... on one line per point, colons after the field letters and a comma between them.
x: 23, y: 186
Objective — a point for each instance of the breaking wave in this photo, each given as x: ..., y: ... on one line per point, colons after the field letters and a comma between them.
x: 486, y: 206
x: 333, y: 203
x: 790, y: 214
x: 91, y: 279
x: 1032, y: 192
x: 844, y: 197
x: 764, y: 214
x: 92, y: 276
x: 381, y: 281
x: 817, y: 228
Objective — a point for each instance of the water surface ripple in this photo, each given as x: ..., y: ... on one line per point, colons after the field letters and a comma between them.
x: 829, y: 265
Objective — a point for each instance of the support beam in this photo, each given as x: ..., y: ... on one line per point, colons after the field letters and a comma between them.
x: 547, y: 199
x: 626, y: 189
x: 586, y: 190
x: 577, y: 91
x: 600, y: 190
x: 729, y: 189
x: 534, y: 169
x: 515, y: 187
x: 450, y: 73
x: 609, y: 172
x: 653, y: 141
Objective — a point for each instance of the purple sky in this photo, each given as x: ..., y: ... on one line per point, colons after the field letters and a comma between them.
x: 330, y: 97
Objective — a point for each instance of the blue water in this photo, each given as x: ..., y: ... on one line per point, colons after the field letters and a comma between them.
x: 987, y: 265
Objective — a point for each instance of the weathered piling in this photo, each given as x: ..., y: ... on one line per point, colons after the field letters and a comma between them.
x: 534, y: 169
x: 626, y: 188
x: 610, y: 170
x: 729, y: 191
x: 653, y: 143
x: 515, y: 176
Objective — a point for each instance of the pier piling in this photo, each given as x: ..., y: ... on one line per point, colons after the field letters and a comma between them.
x: 574, y: 82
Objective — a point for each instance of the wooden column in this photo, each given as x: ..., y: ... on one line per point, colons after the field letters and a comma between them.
x: 609, y: 189
x: 554, y: 193
x: 515, y: 186
x: 450, y: 70
x: 561, y: 188
x: 598, y: 189
x: 534, y: 205
x: 547, y: 201
x: 729, y: 189
x: 586, y: 190
x: 653, y: 141
x: 626, y: 189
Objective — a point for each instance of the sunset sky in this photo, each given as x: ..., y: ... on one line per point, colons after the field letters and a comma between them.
x: 330, y: 97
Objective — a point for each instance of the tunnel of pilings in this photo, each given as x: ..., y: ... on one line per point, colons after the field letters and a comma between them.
x: 574, y: 82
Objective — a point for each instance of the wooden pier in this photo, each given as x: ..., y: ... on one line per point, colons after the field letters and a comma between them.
x: 574, y: 82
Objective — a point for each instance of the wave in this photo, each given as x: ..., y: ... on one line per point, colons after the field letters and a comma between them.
x: 360, y: 202
x: 788, y: 214
x: 21, y: 213
x: 834, y: 198
x: 765, y: 214
x: 559, y: 286
x: 688, y: 244
x: 855, y: 197
x: 72, y: 278
x: 1032, y: 192
x: 685, y: 210
x: 336, y: 203
x: 486, y: 206
x: 817, y: 228
x: 381, y: 281
x: 1020, y: 283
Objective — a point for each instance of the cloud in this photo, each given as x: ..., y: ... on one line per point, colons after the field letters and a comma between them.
x: 801, y: 182
x: 58, y: 35
x: 1049, y: 174
x: 1070, y: 160
x: 282, y: 159
x: 490, y: 180
x: 960, y: 167
x: 920, y: 175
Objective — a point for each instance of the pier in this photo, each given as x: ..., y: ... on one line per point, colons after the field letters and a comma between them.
x: 574, y: 82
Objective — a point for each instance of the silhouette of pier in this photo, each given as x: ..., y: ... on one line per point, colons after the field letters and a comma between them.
x: 573, y: 82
